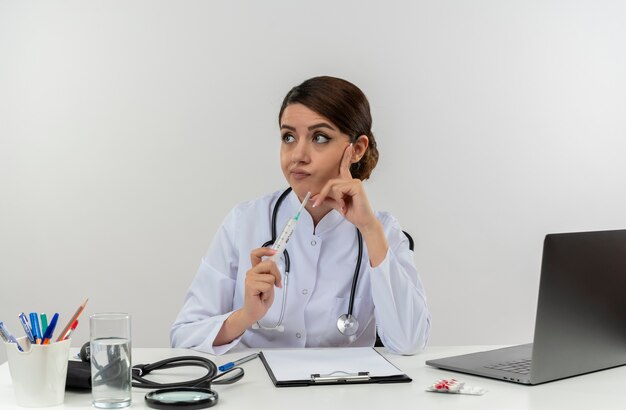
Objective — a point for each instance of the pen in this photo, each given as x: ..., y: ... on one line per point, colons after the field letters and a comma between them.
x: 230, y: 365
x: 3, y: 333
x: 34, y: 324
x: 44, y: 323
x: 8, y: 337
x: 27, y: 329
x: 50, y: 330
x: 67, y: 327
x: 71, y: 330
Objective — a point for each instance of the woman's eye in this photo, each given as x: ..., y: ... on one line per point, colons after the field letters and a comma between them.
x: 288, y: 138
x: 320, y: 138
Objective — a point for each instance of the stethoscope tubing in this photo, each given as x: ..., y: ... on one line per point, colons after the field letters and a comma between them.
x: 357, y: 269
x: 140, y: 371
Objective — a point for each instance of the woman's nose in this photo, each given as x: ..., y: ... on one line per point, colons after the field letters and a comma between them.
x: 300, y: 151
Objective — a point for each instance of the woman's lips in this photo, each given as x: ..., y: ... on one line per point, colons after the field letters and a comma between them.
x: 299, y: 174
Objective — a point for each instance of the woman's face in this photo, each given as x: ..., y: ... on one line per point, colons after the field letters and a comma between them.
x: 311, y: 149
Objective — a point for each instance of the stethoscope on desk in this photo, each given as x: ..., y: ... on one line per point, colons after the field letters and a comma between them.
x: 188, y: 394
x: 346, y: 323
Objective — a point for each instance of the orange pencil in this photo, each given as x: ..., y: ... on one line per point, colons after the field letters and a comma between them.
x: 66, y: 329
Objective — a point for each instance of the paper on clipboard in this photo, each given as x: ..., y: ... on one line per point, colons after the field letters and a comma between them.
x: 299, y: 364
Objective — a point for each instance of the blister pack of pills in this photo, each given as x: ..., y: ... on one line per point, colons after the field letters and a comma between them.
x: 456, y: 387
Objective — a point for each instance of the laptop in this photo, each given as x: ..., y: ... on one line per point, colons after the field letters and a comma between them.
x: 581, y: 315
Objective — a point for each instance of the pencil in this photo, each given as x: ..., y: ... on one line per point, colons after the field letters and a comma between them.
x: 67, y: 328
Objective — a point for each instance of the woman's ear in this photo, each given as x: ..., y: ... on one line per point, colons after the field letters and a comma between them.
x: 359, y: 148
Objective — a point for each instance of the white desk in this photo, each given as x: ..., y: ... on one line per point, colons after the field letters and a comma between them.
x: 600, y: 390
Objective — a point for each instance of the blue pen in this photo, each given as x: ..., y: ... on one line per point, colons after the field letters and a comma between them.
x: 27, y: 330
x: 3, y: 333
x: 34, y: 324
x: 8, y: 337
x: 230, y: 365
x: 50, y: 330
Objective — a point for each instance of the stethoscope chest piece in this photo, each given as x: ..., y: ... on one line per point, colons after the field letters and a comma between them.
x: 188, y: 398
x: 347, y: 324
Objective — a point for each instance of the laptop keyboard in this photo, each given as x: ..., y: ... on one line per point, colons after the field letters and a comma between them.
x: 515, y: 366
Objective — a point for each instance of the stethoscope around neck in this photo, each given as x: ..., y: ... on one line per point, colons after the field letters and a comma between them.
x: 346, y: 323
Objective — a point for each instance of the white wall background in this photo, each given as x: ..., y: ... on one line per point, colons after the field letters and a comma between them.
x: 129, y: 129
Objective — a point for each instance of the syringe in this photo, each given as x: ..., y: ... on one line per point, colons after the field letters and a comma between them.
x: 281, y: 243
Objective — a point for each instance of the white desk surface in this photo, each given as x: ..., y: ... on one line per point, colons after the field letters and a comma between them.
x: 600, y: 390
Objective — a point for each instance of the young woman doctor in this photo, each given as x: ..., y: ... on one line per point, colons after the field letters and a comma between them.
x: 236, y: 298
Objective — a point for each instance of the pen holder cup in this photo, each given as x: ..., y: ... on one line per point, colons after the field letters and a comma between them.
x: 39, y: 372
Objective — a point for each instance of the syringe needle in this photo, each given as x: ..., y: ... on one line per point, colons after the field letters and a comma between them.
x: 306, y: 199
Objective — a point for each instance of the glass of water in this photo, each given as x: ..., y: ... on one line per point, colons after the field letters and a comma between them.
x: 110, y: 360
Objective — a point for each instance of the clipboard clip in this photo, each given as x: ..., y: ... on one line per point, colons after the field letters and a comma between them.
x: 340, y: 377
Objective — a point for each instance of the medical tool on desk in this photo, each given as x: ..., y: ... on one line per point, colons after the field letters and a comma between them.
x: 346, y: 323
x: 186, y: 394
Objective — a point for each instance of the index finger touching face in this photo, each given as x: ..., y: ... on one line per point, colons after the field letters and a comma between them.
x: 346, y: 161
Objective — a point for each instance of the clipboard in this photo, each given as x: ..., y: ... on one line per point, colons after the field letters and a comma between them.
x: 328, y: 366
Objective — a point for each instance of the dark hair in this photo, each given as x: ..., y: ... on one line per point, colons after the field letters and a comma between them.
x: 345, y: 105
